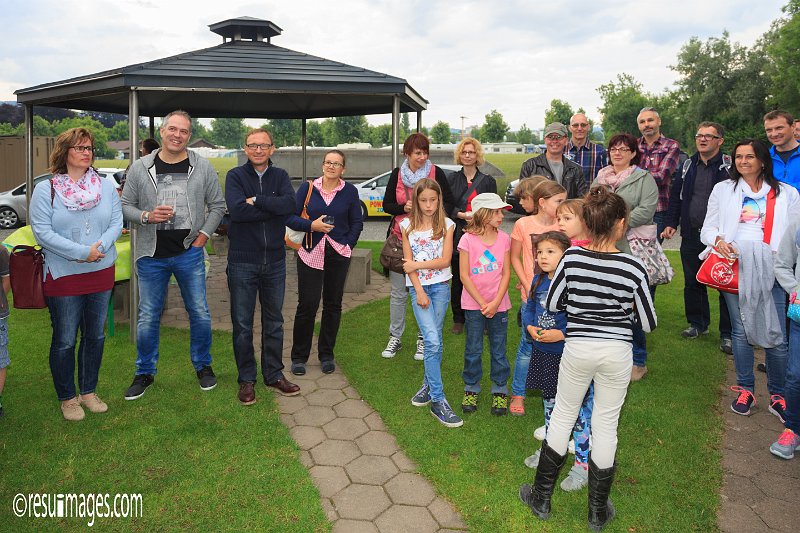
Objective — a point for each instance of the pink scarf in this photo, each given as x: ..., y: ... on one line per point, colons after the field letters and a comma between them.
x: 611, y: 179
x: 79, y: 195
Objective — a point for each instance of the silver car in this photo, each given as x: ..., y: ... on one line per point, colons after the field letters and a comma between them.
x: 13, y: 208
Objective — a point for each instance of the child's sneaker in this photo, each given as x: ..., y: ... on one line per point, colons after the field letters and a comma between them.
x: 470, y: 402
x: 741, y: 405
x: 422, y: 397
x: 787, y: 443
x: 533, y: 460
x: 419, y: 355
x: 392, y: 348
x: 577, y: 478
x: 444, y: 414
x: 540, y: 433
x: 499, y: 404
x: 777, y: 406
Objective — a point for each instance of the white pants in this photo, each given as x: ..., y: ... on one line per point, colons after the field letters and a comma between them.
x: 609, y: 364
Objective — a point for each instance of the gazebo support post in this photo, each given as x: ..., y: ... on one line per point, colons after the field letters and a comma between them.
x: 28, y: 157
x: 395, y: 131
x: 303, y: 144
x: 133, y: 124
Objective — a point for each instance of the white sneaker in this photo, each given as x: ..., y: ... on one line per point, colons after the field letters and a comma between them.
x: 577, y: 478
x: 392, y: 348
x: 420, y: 353
x: 571, y: 447
x: 533, y: 460
x: 539, y: 434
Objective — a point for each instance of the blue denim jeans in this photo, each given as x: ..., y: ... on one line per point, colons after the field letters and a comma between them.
x: 86, y: 312
x: 792, y: 385
x: 265, y: 281
x: 431, y: 322
x: 190, y: 273
x: 743, y: 353
x: 497, y: 327
x: 521, y: 364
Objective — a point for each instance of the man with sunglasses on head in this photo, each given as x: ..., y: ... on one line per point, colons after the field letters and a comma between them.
x: 590, y: 156
x: 688, y: 203
x: 172, y: 196
x: 554, y: 165
x: 660, y: 156
x: 259, y: 197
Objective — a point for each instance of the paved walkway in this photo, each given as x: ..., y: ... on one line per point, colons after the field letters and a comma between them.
x: 366, y: 482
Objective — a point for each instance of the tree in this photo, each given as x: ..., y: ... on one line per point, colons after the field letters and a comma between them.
x: 381, y: 135
x: 559, y: 111
x: 405, y: 128
x: 314, y: 134
x: 329, y: 135
x: 440, y: 133
x: 228, y: 132
x: 98, y: 130
x: 350, y: 129
x: 622, y: 102
x: 119, y: 131
x: 198, y: 131
x: 524, y: 135
x: 782, y: 50
x: 286, y: 132
x: 495, y: 128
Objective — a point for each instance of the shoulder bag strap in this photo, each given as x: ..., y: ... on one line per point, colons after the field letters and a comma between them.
x: 770, y: 217
x: 304, y: 213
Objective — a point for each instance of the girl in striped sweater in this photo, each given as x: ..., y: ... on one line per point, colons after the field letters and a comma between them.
x: 603, y: 291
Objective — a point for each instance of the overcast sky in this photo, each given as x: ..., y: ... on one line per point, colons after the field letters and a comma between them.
x: 465, y: 58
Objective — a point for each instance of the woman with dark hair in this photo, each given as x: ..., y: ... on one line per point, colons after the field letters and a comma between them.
x: 76, y: 217
x: 465, y: 185
x: 746, y: 218
x: 637, y: 187
x: 334, y: 224
x: 397, y: 202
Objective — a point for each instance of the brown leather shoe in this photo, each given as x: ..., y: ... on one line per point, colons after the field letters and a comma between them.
x: 285, y: 387
x: 247, y: 393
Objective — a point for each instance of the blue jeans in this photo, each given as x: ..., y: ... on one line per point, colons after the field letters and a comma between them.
x: 431, y: 322
x: 265, y: 281
x: 743, y: 352
x: 521, y: 364
x: 86, y: 312
x: 792, y: 385
x: 190, y: 273
x: 497, y: 326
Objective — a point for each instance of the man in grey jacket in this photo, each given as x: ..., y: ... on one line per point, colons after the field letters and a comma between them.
x: 552, y: 164
x: 174, y: 199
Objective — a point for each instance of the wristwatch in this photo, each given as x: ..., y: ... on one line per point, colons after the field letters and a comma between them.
x: 145, y: 217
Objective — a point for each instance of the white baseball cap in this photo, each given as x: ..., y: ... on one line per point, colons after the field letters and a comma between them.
x: 488, y: 200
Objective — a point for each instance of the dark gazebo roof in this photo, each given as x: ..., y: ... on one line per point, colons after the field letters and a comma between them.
x: 238, y: 78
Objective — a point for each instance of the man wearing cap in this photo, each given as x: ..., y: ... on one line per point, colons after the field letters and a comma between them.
x: 660, y: 156
x: 552, y: 164
x: 590, y: 156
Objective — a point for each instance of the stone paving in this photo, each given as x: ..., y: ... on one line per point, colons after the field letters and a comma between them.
x: 367, y: 484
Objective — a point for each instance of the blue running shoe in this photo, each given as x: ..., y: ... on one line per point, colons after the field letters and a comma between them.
x: 445, y: 415
x: 422, y: 397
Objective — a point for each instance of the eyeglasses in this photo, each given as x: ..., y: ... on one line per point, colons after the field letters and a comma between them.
x: 555, y: 137
x: 264, y: 146
x: 469, y: 153
x: 82, y: 149
x: 619, y: 149
x: 580, y: 125
x: 706, y: 137
x: 332, y: 164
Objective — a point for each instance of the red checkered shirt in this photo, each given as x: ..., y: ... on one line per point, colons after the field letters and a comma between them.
x: 316, y: 257
x: 661, y: 159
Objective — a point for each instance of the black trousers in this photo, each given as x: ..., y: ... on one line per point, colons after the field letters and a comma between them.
x: 695, y: 296
x: 313, y: 284
x: 455, y: 290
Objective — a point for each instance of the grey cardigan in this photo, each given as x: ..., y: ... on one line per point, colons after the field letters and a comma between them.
x: 206, y: 202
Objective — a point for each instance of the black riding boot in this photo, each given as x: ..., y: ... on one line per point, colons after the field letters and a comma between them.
x: 537, y: 497
x: 601, y: 510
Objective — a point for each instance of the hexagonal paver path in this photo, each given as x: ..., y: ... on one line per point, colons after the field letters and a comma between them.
x: 366, y: 483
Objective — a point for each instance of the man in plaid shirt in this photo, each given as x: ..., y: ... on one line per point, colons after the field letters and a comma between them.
x: 660, y: 156
x: 591, y: 156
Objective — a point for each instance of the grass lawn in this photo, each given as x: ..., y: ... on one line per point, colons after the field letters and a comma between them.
x: 669, y: 473
x: 221, y: 164
x: 200, y: 460
x: 510, y: 165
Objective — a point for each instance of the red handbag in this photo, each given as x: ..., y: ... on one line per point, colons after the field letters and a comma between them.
x: 721, y: 273
x: 26, y: 266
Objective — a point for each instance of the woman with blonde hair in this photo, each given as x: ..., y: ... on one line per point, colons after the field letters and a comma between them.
x: 465, y: 185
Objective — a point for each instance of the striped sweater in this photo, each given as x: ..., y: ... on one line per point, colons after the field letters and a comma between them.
x: 602, y: 293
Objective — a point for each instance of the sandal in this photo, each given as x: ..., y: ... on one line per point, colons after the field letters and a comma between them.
x: 517, y: 405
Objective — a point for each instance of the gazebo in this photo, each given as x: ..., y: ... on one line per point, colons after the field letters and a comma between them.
x: 244, y: 77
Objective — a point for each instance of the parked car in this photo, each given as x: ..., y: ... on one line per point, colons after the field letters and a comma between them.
x: 13, y: 206
x: 511, y: 199
x: 371, y: 192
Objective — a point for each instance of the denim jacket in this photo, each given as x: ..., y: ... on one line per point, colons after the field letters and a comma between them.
x: 535, y: 313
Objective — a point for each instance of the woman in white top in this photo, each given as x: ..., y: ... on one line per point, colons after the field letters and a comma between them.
x: 746, y: 217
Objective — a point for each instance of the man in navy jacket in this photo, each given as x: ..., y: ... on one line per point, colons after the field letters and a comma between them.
x: 688, y: 203
x: 259, y: 197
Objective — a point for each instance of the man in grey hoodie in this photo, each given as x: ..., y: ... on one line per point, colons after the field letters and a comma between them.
x: 173, y: 198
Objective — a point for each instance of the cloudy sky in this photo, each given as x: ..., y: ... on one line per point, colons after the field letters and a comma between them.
x: 465, y: 57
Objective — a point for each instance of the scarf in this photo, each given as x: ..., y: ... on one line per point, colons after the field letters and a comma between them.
x: 80, y: 195
x: 411, y: 178
x: 608, y: 177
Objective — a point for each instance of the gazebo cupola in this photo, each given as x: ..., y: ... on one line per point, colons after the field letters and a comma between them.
x: 245, y: 28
